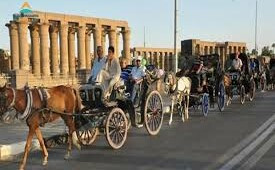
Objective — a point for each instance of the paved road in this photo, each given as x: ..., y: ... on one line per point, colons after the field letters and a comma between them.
x: 242, y: 137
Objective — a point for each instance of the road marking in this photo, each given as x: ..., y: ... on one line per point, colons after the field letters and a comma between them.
x: 236, y: 149
x: 251, y: 162
x: 238, y: 158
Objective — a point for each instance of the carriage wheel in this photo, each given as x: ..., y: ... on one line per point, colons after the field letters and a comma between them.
x: 153, y: 113
x: 221, y: 97
x: 88, y: 134
x: 242, y: 94
x: 252, y: 90
x: 116, y: 128
x: 87, y: 137
x: 205, y: 104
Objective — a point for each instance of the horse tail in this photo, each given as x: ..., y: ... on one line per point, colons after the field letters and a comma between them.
x: 77, y: 101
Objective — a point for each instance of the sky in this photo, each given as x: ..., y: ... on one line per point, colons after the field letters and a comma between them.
x: 210, y: 20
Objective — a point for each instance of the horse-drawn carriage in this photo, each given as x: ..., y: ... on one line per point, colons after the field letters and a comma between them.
x: 188, y: 89
x: 242, y: 81
x: 215, y: 80
x: 115, y: 116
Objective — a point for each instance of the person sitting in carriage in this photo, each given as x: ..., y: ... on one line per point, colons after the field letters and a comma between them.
x: 110, y: 74
x: 196, y: 75
x: 237, y: 64
x: 136, y: 77
x: 125, y: 73
x: 253, y: 65
x: 99, y: 63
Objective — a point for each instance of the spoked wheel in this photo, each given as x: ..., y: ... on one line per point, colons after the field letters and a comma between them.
x: 252, y: 90
x: 116, y: 128
x: 85, y: 133
x: 205, y: 104
x: 221, y: 97
x: 87, y: 137
x: 153, y: 113
x: 242, y: 94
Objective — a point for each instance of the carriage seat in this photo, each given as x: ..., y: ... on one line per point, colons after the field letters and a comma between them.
x: 91, y: 93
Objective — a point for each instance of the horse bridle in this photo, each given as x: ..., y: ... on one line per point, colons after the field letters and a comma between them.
x: 11, y: 105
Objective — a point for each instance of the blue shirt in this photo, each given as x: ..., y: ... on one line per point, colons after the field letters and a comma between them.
x: 252, y: 65
x: 126, y: 72
x: 97, y: 66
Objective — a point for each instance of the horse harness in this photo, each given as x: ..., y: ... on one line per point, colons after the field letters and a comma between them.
x: 43, y: 95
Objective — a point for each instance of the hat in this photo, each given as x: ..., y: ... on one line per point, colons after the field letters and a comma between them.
x: 139, y: 58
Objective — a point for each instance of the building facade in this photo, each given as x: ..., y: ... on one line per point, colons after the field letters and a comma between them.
x: 193, y: 47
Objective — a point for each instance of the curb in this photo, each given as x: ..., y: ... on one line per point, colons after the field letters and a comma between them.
x: 8, y: 152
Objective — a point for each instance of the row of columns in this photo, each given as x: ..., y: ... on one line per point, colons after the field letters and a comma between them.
x: 162, y: 60
x: 45, y: 59
x: 207, y: 50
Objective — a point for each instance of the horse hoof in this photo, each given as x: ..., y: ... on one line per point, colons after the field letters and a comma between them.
x: 44, y: 163
x: 67, y: 157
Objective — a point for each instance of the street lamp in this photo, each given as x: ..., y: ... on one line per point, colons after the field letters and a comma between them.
x: 175, y: 39
x: 256, y: 28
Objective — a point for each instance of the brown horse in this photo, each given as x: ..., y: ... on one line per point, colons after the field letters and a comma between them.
x: 37, y: 110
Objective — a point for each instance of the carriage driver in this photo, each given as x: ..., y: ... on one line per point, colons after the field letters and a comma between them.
x: 237, y: 63
x: 98, y: 64
x: 136, y: 77
x: 196, y: 74
x: 110, y: 74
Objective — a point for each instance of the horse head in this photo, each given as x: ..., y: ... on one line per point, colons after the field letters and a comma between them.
x: 7, y: 99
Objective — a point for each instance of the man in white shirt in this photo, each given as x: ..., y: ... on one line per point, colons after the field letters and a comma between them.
x: 136, y: 77
x: 110, y: 74
x: 98, y: 65
x: 237, y: 63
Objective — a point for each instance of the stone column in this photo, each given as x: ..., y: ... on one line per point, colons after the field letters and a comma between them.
x: 112, y: 39
x: 126, y: 44
x: 97, y: 38
x: 14, y: 45
x: 64, y: 49
x: 35, y: 50
x: 54, y: 50
x: 103, y: 42
x: 167, y: 62
x: 44, y: 49
x: 157, y: 60
x: 117, y: 52
x: 81, y: 31
x: 23, y: 44
x: 146, y: 54
x: 222, y: 56
x: 88, y: 49
x: 162, y: 61
x: 71, y: 45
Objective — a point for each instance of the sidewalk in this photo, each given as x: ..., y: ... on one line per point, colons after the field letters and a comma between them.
x: 13, y: 137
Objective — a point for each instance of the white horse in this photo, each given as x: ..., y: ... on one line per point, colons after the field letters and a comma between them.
x: 179, y: 92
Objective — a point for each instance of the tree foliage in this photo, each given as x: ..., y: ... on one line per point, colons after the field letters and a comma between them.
x: 266, y: 51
